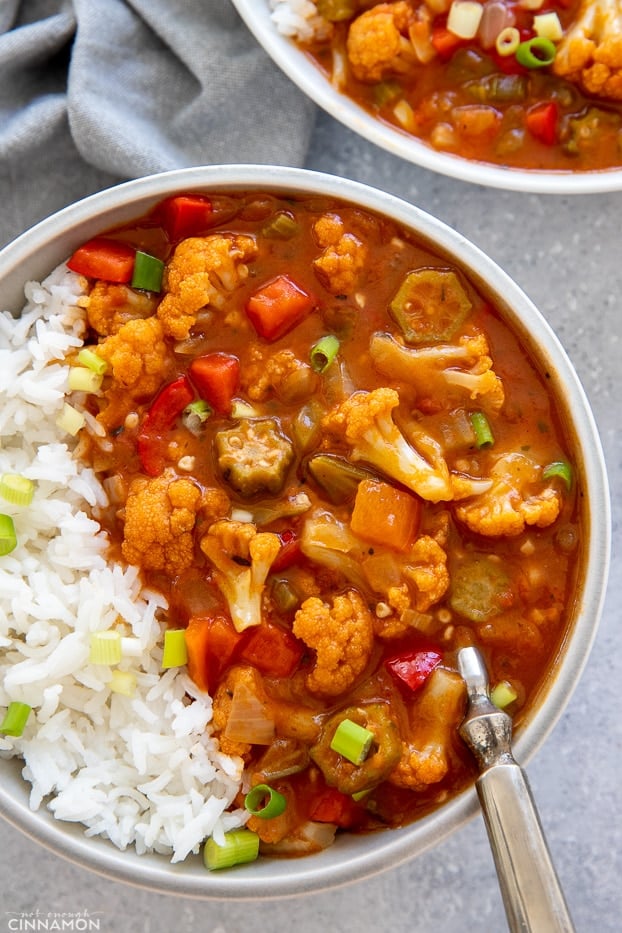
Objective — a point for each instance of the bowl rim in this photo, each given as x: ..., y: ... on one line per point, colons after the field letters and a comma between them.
x: 345, y: 862
x: 301, y: 70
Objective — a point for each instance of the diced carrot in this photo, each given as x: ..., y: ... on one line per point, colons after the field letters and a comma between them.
x: 212, y: 644
x: 331, y: 806
x: 385, y: 515
x: 444, y: 41
x: 278, y: 306
x: 101, y: 258
x: 541, y: 121
x: 216, y: 376
x: 186, y: 215
x: 272, y: 650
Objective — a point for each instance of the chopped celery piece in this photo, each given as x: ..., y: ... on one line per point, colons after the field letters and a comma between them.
x: 560, y: 469
x: 15, y: 719
x: 352, y: 741
x: 148, y: 272
x: 70, y: 420
x: 481, y: 429
x: 264, y: 801
x: 175, y: 653
x: 241, y: 845
x: 123, y: 682
x: 92, y: 360
x: 324, y: 352
x: 282, y: 226
x: 105, y: 647
x: 16, y: 489
x: 430, y: 305
x: 83, y: 379
x: 8, y: 537
x: 503, y: 694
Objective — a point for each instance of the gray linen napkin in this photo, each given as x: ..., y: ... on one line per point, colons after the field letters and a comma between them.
x: 97, y: 91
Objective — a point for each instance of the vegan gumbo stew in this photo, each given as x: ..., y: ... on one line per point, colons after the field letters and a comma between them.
x: 339, y: 465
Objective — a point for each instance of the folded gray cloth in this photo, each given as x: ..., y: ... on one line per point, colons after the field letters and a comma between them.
x: 97, y: 91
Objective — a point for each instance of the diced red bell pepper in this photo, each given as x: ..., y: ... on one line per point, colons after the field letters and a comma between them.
x: 290, y: 551
x: 444, y: 42
x: 212, y: 644
x: 412, y: 668
x: 278, y: 306
x: 216, y: 377
x: 101, y: 258
x: 541, y: 121
x: 185, y: 215
x: 331, y: 806
x: 272, y: 650
x: 166, y: 408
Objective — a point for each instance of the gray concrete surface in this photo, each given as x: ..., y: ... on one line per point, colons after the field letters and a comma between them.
x: 566, y: 254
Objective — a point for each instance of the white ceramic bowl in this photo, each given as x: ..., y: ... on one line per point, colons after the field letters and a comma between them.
x: 302, y: 71
x: 37, y: 252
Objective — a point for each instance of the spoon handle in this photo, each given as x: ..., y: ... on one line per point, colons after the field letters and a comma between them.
x: 532, y: 896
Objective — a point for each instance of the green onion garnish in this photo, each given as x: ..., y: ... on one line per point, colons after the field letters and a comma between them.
x: 83, y: 379
x: 265, y: 801
x: 199, y: 409
x: 503, y: 694
x: 481, y: 428
x: 537, y: 52
x: 175, y: 653
x: 324, y: 352
x: 92, y: 360
x: 15, y: 719
x: 70, y: 420
x: 123, y: 682
x: 352, y: 741
x: 241, y: 845
x: 8, y: 538
x: 148, y: 272
x: 561, y: 469
x: 105, y: 647
x: 16, y: 489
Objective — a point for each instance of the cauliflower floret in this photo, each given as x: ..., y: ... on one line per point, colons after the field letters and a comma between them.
x: 378, y: 43
x: 434, y: 715
x: 242, y: 558
x: 254, y: 456
x: 590, y: 52
x: 365, y: 421
x: 442, y: 371
x: 343, y: 257
x: 110, y: 306
x: 246, y: 682
x: 138, y: 356
x: 342, y: 637
x: 281, y: 373
x: 160, y: 516
x: 202, y: 272
x: 517, y: 497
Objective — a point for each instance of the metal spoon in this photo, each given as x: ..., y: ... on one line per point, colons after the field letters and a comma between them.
x: 532, y: 896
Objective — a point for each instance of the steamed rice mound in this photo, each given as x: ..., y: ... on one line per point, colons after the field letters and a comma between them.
x: 142, y: 770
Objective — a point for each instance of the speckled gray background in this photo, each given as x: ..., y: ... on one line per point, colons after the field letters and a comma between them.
x: 566, y: 254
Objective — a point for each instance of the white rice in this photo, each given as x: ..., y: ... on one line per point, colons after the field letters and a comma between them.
x: 143, y: 771
x: 299, y: 19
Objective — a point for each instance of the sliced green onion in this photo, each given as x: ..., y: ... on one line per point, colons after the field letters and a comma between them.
x: 265, y: 801
x: 324, y: 352
x: 175, y: 652
x: 105, y: 647
x: 503, y: 694
x: 241, y: 845
x: 283, y: 226
x: 8, y: 537
x: 199, y: 409
x: 123, y: 682
x: 561, y: 469
x: 537, y: 52
x: 16, y: 489
x: 481, y: 428
x: 70, y: 420
x: 352, y: 741
x: 92, y: 360
x: 507, y: 41
x: 148, y: 272
x: 361, y: 794
x: 15, y: 719
x: 83, y: 379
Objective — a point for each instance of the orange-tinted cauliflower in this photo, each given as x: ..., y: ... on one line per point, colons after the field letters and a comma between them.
x: 343, y: 256
x: 240, y: 684
x: 202, y: 272
x: 160, y: 516
x: 590, y: 52
x: 434, y: 714
x: 425, y: 569
x: 138, y: 356
x: 378, y: 44
x: 342, y: 637
x: 110, y: 306
x: 518, y: 496
x: 281, y: 374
